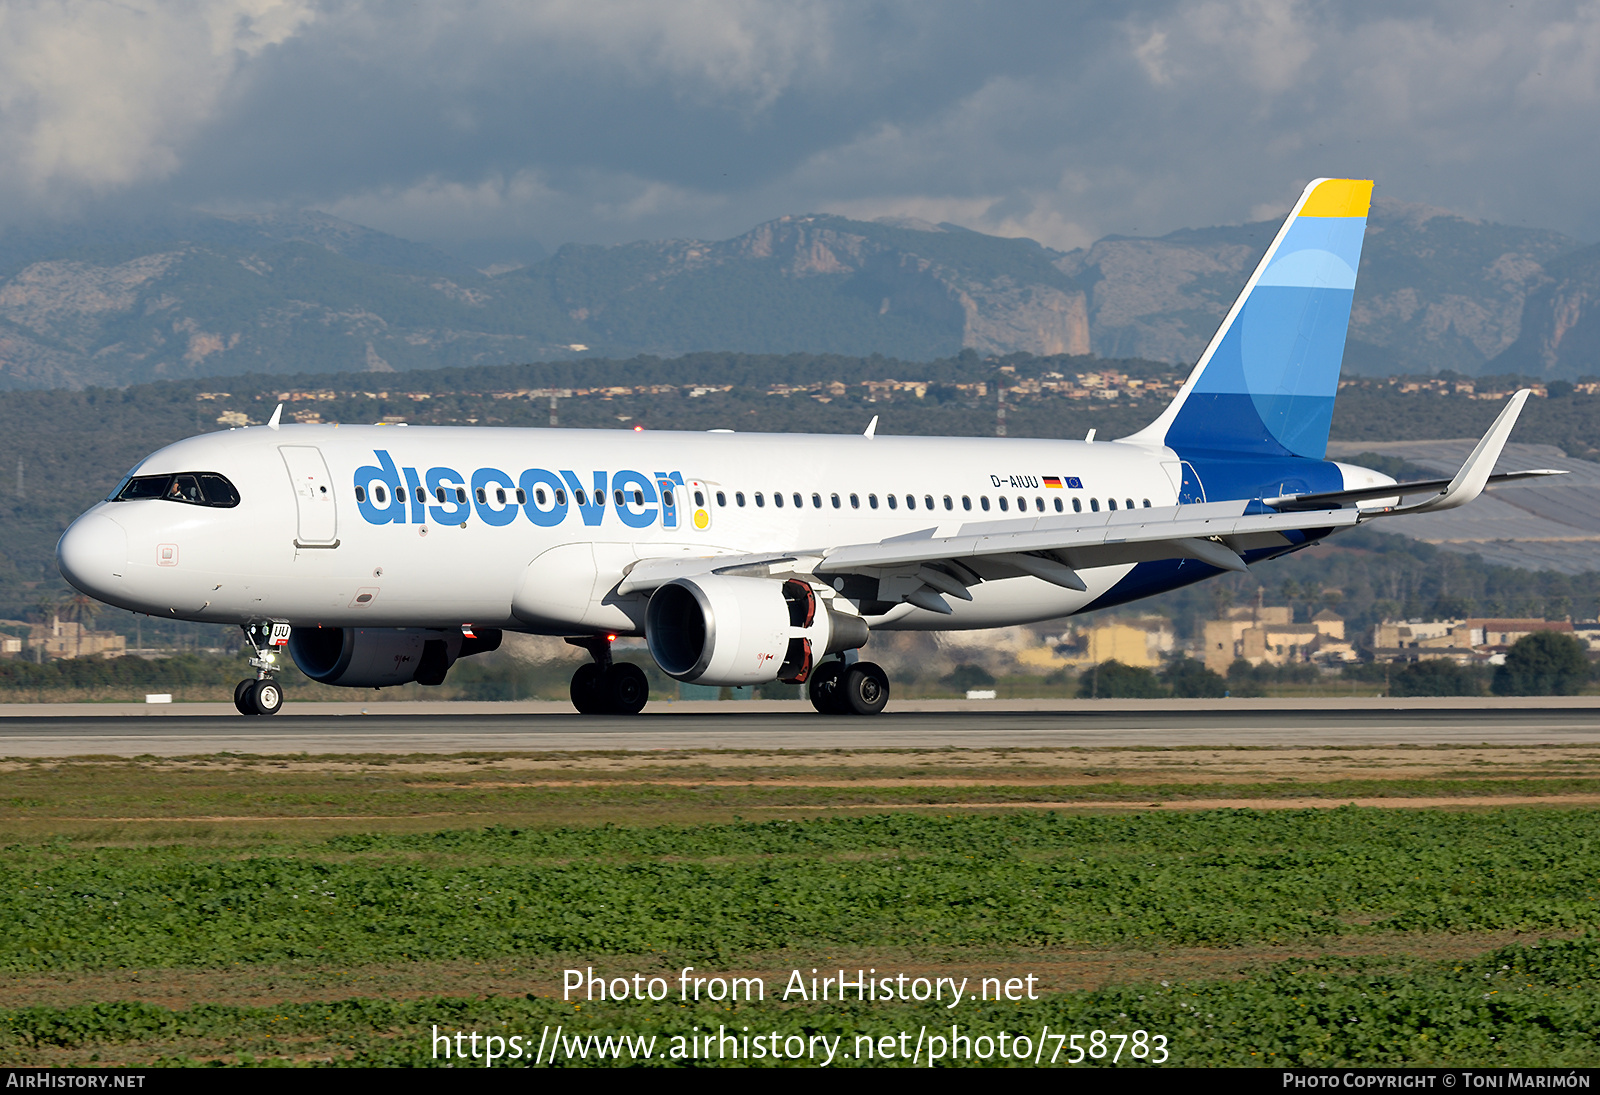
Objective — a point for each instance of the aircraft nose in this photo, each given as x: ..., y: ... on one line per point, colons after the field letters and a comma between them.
x: 93, y: 554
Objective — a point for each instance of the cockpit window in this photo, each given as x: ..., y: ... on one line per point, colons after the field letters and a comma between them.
x: 202, y: 488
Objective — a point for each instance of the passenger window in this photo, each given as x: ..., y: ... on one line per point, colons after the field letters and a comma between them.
x: 872, y: 501
x: 777, y: 499
x: 438, y: 492
x: 1111, y: 504
x: 834, y: 498
x: 1147, y: 503
x: 500, y: 495
x: 522, y: 497
x: 1077, y: 505
x: 1038, y: 504
x: 383, y: 496
x: 799, y: 503
x: 927, y: 501
x: 461, y: 495
x: 760, y: 499
x: 894, y: 503
x: 538, y: 496
x: 949, y: 503
x: 1130, y: 503
x: 816, y: 501
x: 667, y: 498
x: 722, y: 498
x: 1058, y: 505
x: 1005, y: 506
x: 638, y: 497
x: 1094, y: 504
x: 700, y: 499
x: 361, y: 494
x: 855, y: 501
x: 561, y: 497
x: 422, y: 494
x: 966, y: 502
x: 581, y: 498
x: 483, y: 498
x: 599, y: 497
x: 738, y: 497
x: 1022, y: 504
x: 983, y: 501
x: 616, y: 496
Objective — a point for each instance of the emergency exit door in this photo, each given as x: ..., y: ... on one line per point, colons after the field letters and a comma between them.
x: 313, y: 496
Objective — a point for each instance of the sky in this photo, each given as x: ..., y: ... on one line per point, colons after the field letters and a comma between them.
x: 496, y: 127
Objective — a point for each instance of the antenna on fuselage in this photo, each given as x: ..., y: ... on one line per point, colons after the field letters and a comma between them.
x: 277, y: 415
x: 872, y: 428
x: 1088, y: 437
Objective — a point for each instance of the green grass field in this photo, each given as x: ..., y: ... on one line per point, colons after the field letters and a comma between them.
x: 312, y: 910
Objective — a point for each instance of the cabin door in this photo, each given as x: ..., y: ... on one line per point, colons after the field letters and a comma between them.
x: 313, y: 496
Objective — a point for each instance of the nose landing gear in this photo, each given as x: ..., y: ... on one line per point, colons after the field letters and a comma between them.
x: 604, y: 687
x: 262, y: 695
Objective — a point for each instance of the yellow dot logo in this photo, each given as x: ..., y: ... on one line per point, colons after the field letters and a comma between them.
x: 701, y: 518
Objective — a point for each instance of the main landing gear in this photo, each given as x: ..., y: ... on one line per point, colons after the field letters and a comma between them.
x: 261, y: 694
x: 859, y: 688
x: 604, y: 687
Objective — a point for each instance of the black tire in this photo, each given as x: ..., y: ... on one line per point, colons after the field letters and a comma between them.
x: 865, y: 689
x: 585, y: 691
x: 241, y: 696
x: 626, y: 689
x: 267, y: 697
x: 823, y: 688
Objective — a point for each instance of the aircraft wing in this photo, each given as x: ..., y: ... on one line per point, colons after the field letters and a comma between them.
x: 922, y: 566
x: 1051, y: 548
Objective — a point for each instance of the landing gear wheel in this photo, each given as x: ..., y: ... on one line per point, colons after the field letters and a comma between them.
x: 864, y: 689
x: 823, y: 688
x: 626, y: 689
x: 586, y: 692
x: 266, y: 697
x: 240, y: 692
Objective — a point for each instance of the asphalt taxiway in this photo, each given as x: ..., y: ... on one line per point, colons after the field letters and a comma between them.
x: 129, y: 730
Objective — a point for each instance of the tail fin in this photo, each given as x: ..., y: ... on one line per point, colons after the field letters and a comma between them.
x: 1267, y: 381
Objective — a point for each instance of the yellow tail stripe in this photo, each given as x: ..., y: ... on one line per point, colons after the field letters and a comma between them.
x: 1339, y: 198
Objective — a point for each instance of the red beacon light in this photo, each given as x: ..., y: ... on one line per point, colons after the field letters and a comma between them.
x: 638, y: 429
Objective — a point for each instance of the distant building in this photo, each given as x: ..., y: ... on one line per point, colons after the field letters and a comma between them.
x: 69, y: 639
x: 1461, y: 641
x: 1139, y: 641
x: 1268, y: 635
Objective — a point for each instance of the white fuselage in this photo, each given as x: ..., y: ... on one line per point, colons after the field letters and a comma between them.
x: 300, y: 548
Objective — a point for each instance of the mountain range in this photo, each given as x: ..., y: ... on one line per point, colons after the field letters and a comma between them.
x: 197, y: 294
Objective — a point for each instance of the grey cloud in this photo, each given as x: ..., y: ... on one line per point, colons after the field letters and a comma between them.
x: 490, y: 125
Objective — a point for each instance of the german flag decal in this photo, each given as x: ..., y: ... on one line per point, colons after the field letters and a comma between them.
x: 1053, y: 481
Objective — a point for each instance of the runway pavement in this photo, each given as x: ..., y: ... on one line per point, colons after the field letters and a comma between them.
x: 128, y: 730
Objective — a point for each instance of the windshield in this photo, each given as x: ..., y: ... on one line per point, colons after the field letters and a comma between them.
x: 201, y: 488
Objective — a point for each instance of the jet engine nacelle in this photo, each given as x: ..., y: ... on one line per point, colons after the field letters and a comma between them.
x: 728, y: 631
x: 377, y: 657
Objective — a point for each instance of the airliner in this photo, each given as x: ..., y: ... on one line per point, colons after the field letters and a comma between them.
x: 381, y: 555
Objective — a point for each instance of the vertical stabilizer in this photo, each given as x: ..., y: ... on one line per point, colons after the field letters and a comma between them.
x: 1267, y: 381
